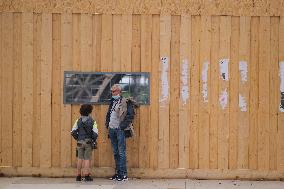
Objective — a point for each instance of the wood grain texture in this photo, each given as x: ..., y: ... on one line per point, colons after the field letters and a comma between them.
x: 17, y: 90
x: 27, y: 90
x: 7, y: 89
x: 192, y: 7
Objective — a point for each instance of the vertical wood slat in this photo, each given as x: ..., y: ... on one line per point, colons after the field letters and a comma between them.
x: 56, y: 91
x: 27, y: 89
x: 214, y: 97
x: 223, y: 117
x: 204, y: 110
x: 154, y: 84
x: 194, y: 92
x: 7, y: 89
x: 126, y: 40
x: 146, y: 59
x: 133, y: 143
x: 37, y: 28
x: 174, y: 91
x: 46, y: 86
x: 86, y: 42
x: 76, y: 66
x: 17, y: 94
x: 234, y: 93
x: 243, y: 138
x: 280, y: 133
x: 1, y: 67
x: 97, y: 36
x: 274, y: 92
x: 65, y: 110
x: 164, y: 96
x: 184, y: 98
x: 106, y: 157
x: 117, y: 46
x: 263, y: 111
x: 253, y: 101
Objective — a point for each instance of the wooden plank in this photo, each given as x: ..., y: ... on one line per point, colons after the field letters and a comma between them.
x: 86, y: 42
x: 37, y: 27
x: 234, y: 94
x: 194, y: 92
x: 76, y: 20
x: 27, y: 89
x: 223, y: 116
x: 244, y: 86
x: 145, y: 124
x: 274, y: 92
x: 133, y: 143
x: 174, y: 91
x: 204, y: 110
x: 126, y: 40
x: 117, y: 48
x: 86, y: 45
x: 214, y: 97
x: 66, y: 146
x: 56, y: 91
x: 46, y: 82
x: 106, y: 156
x: 76, y: 66
x: 280, y: 133
x: 263, y: 111
x: 184, y: 111
x: 17, y: 91
x: 97, y: 37
x: 164, y: 96
x: 154, y: 90
x: 253, y: 101
x: 1, y: 61
x: 7, y: 89
x: 243, y: 110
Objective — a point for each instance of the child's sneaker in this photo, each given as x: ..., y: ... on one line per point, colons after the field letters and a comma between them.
x: 78, y: 178
x: 122, y: 178
x: 88, y: 178
x: 114, y: 177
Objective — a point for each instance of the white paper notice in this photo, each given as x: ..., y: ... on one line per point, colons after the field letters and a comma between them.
x: 224, y: 69
x: 243, y: 67
x: 223, y: 99
x: 204, y: 78
x: 164, y: 79
x: 184, y: 81
x: 242, y: 103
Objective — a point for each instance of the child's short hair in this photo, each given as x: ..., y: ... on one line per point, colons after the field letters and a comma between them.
x: 86, y: 109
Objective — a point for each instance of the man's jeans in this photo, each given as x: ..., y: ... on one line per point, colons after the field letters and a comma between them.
x: 118, y: 143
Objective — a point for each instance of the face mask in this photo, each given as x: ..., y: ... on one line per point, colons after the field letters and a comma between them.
x: 115, y: 97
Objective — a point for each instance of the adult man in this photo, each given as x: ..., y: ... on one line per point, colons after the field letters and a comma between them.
x: 117, y: 119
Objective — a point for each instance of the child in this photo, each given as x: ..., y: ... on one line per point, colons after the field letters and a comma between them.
x: 85, y: 131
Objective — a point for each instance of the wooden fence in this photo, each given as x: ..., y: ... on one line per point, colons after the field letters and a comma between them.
x: 215, y: 92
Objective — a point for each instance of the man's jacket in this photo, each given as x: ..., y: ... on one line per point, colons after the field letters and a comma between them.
x: 126, y: 113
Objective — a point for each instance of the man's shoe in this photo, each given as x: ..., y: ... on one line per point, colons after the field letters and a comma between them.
x: 122, y: 178
x: 88, y: 178
x: 78, y: 178
x: 114, y: 177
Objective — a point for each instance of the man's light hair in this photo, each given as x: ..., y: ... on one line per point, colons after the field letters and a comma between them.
x: 116, y: 87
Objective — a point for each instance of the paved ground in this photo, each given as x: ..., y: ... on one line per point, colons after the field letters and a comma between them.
x: 99, y: 183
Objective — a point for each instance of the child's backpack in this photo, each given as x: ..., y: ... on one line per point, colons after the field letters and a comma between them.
x: 131, y: 106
